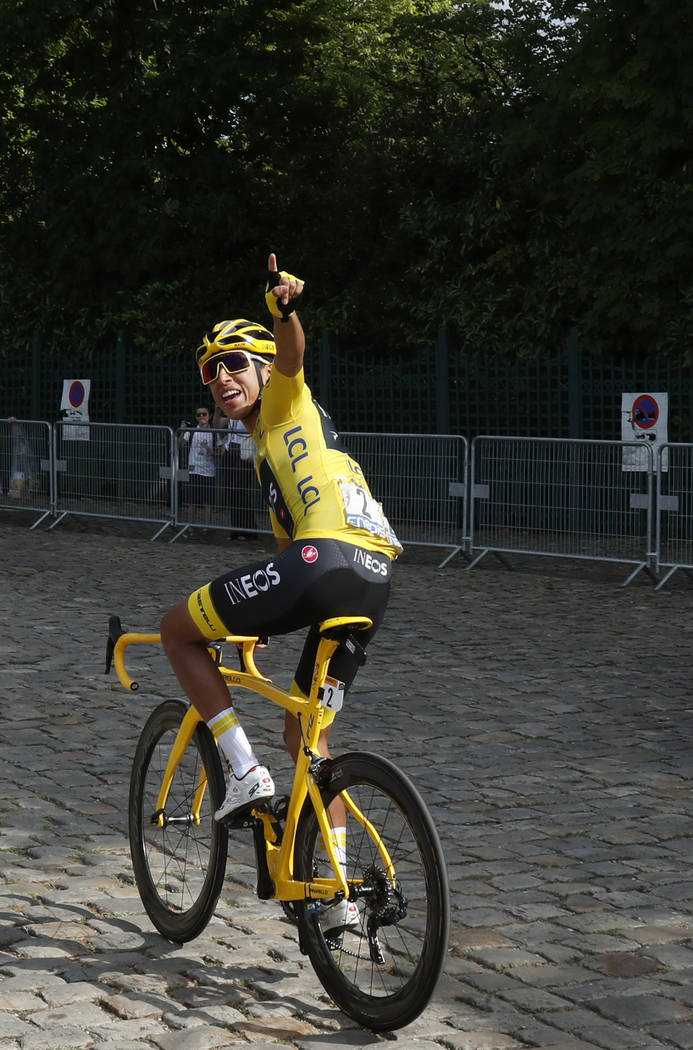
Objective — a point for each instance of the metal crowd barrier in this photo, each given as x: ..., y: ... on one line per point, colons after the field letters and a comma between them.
x: 563, y: 498
x: 113, y: 470
x: 26, y: 467
x: 674, y: 510
x: 419, y: 478
x: 593, y: 500
x: 421, y: 481
x: 140, y: 473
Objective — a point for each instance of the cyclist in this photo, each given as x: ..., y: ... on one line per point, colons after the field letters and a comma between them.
x: 335, y: 545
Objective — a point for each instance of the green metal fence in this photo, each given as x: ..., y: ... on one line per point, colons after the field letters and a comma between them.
x: 439, y: 389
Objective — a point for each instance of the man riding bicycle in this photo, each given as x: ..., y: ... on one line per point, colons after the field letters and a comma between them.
x: 336, y: 547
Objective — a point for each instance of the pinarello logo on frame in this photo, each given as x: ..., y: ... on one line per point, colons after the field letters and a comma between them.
x: 309, y: 554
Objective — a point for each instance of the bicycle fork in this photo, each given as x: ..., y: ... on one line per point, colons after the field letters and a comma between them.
x: 185, y: 733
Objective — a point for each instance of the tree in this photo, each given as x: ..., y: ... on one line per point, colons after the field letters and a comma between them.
x: 513, y: 170
x: 580, y: 212
x: 156, y: 151
x: 627, y: 249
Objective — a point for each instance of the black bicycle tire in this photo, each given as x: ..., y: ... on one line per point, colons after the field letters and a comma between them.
x: 372, y: 1011
x: 176, y: 926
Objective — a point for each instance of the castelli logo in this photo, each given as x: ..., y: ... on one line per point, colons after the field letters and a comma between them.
x: 309, y: 554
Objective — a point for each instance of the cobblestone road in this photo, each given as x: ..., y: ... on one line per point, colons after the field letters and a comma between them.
x: 546, y: 715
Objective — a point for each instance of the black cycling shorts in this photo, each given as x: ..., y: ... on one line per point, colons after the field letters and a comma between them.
x: 311, y: 581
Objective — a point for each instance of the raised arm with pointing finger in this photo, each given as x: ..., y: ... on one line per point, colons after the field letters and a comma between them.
x: 283, y: 294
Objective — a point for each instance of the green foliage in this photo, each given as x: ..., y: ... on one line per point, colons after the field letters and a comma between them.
x: 512, y: 170
x: 579, y: 211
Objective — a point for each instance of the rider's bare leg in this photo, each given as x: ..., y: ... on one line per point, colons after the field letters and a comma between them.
x: 192, y: 662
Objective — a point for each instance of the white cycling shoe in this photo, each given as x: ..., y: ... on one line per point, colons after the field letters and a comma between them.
x: 338, y: 917
x: 256, y: 786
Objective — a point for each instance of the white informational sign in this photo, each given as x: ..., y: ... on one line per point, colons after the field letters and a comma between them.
x: 74, y: 408
x: 644, y: 418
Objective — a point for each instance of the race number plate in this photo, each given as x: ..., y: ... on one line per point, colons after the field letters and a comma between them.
x: 332, y: 695
x: 363, y: 512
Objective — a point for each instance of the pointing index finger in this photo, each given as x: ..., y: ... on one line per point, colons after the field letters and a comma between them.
x: 272, y: 263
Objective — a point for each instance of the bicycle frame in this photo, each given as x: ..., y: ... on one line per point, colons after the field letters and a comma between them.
x: 309, y: 712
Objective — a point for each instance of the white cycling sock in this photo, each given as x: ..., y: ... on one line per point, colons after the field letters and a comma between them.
x: 338, y: 838
x: 230, y: 737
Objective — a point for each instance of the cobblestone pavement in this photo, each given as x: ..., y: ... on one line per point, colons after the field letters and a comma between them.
x: 545, y: 714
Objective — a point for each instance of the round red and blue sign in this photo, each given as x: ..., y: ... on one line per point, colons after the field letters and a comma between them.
x: 76, y: 394
x: 645, y: 412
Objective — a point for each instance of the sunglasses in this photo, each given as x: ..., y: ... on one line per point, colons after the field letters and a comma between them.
x: 201, y: 415
x: 233, y: 361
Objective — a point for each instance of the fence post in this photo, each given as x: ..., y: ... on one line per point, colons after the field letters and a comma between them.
x: 36, y: 346
x: 575, y: 398
x: 442, y: 373
x: 325, y: 372
x: 120, y: 374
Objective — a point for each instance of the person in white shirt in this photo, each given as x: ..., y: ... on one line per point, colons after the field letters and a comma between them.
x: 201, y: 464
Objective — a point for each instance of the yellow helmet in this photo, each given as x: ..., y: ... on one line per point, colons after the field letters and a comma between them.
x: 229, y: 336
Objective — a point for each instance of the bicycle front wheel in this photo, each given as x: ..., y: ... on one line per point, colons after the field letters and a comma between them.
x: 382, y: 968
x: 179, y: 860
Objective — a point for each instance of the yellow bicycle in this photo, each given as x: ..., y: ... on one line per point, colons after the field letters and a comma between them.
x: 381, y: 971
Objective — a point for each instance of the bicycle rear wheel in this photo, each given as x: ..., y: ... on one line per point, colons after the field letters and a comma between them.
x: 383, y: 970
x: 179, y: 864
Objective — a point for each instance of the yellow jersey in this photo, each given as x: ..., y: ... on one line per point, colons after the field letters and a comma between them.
x: 309, y: 481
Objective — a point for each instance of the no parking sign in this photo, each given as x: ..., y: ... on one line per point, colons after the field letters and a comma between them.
x: 74, y: 408
x: 644, y: 418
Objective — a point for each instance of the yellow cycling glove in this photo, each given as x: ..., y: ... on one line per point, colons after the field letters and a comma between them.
x: 275, y: 306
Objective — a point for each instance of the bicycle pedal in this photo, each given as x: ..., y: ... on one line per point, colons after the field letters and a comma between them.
x: 243, y: 817
x: 238, y: 822
x: 278, y: 806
